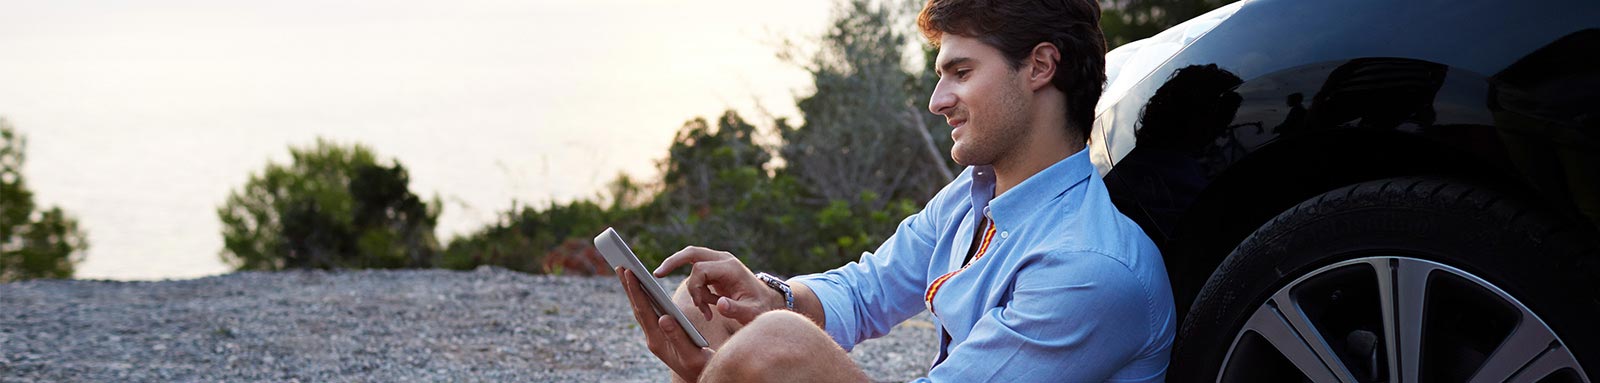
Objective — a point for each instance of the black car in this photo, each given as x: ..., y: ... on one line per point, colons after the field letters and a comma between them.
x: 1369, y: 191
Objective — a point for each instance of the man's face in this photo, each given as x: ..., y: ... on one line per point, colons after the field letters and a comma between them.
x: 981, y: 97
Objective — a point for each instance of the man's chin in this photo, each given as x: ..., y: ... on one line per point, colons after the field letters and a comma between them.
x: 966, y: 159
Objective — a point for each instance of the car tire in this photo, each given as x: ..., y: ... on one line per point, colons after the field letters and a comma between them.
x: 1471, y: 281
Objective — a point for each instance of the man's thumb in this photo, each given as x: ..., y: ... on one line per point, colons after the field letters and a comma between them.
x: 744, y: 312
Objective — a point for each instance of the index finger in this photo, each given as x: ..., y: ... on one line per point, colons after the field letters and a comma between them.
x: 683, y: 257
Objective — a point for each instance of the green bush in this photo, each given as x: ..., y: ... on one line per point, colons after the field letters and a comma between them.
x: 520, y: 239
x: 34, y: 243
x: 332, y: 207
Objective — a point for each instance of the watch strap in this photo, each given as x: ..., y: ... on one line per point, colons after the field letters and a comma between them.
x: 782, y: 287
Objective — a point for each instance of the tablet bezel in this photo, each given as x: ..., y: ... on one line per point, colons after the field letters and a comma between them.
x: 617, y: 253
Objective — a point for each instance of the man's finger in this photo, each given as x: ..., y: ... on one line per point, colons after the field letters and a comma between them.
x: 688, y: 255
x: 741, y: 311
x: 692, y: 356
x: 643, y: 312
x: 699, y: 293
x: 636, y: 299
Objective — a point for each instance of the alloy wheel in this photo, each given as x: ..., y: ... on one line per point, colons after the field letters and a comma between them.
x: 1396, y: 319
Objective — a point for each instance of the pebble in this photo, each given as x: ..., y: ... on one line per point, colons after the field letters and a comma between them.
x: 489, y: 324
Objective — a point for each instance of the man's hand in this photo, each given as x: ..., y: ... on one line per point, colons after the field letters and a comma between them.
x: 665, y: 338
x: 718, y: 278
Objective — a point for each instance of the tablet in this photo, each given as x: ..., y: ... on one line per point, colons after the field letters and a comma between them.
x: 617, y: 254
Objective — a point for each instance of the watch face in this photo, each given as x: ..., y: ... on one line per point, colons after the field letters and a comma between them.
x: 770, y: 280
x: 779, y: 285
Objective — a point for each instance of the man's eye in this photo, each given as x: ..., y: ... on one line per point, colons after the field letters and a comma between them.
x: 962, y: 74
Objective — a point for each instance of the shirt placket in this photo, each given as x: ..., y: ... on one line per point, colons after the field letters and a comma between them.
x: 982, y: 242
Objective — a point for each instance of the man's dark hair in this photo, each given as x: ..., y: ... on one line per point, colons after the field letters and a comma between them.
x: 1015, y: 27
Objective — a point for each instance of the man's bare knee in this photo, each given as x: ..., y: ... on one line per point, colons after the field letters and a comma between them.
x: 788, y: 328
x: 681, y: 298
x: 781, y: 324
x: 779, y: 346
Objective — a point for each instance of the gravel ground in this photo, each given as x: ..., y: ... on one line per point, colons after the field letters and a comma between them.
x: 414, y: 325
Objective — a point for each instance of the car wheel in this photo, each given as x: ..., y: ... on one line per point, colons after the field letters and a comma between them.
x: 1411, y: 279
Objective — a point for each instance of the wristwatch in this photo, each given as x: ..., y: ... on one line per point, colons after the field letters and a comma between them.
x: 778, y: 284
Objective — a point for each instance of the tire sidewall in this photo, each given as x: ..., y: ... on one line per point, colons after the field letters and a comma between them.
x: 1505, y: 245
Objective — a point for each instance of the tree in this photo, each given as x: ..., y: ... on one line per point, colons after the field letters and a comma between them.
x: 33, y: 243
x: 332, y: 207
x: 720, y: 190
x: 866, y: 128
x: 717, y: 190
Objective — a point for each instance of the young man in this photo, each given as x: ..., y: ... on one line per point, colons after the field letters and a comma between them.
x: 1030, y: 272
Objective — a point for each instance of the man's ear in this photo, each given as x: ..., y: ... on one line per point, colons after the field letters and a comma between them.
x: 1042, y: 64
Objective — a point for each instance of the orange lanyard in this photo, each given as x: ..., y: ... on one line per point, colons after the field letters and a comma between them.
x: 983, y: 247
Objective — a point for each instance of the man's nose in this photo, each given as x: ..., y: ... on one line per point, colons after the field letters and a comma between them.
x: 941, y: 101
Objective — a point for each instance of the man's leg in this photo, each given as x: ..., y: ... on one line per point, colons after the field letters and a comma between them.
x: 781, y: 346
x: 716, y: 331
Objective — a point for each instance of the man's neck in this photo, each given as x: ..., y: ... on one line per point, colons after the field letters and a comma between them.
x: 1009, y: 174
x: 1049, y: 143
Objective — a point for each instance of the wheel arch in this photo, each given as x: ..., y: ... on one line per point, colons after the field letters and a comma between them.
x: 1279, y: 175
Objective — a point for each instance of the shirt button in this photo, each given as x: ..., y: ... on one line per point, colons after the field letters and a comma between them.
x: 1004, y: 234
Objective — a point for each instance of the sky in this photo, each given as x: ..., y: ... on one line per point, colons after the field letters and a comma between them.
x: 142, y: 116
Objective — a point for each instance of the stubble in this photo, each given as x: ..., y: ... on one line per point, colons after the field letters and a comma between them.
x: 996, y: 132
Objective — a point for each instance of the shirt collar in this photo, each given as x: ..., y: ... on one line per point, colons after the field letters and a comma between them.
x: 1031, y: 195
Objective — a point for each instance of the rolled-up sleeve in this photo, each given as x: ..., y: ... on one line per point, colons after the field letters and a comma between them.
x: 866, y: 298
x: 1077, y: 317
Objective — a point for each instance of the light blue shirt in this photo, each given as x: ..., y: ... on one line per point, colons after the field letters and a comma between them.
x: 1069, y: 289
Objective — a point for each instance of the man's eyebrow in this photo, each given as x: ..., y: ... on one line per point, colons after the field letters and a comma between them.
x: 945, y: 67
